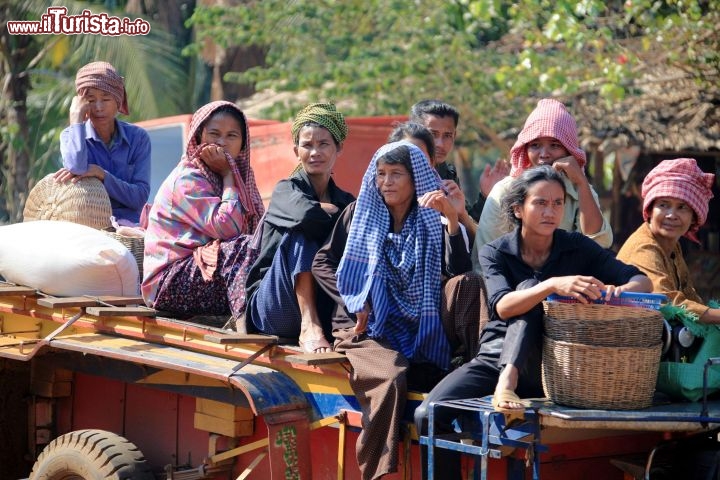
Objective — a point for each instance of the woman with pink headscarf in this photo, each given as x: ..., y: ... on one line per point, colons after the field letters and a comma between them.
x: 200, y: 224
x: 676, y: 194
x: 98, y: 145
x: 549, y: 137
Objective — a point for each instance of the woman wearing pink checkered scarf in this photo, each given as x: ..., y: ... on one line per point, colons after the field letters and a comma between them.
x: 676, y: 194
x: 549, y: 137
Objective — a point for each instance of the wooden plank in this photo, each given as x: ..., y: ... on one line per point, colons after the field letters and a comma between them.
x: 317, y: 358
x: 8, y: 290
x: 14, y: 341
x: 238, y: 338
x: 120, y: 311
x: 53, y: 302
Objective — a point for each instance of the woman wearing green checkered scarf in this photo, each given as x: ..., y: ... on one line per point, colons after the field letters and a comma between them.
x: 283, y: 298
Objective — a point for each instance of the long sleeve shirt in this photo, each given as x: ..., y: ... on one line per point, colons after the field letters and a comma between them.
x: 186, y: 214
x: 572, y: 253
x: 294, y: 205
x: 669, y: 273
x: 126, y: 163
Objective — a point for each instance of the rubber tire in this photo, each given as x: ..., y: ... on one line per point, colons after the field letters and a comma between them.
x: 91, y: 455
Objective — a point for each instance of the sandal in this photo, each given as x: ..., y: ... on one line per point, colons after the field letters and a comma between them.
x: 314, y: 344
x: 507, y: 396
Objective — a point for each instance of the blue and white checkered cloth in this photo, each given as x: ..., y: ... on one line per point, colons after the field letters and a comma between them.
x: 399, y: 274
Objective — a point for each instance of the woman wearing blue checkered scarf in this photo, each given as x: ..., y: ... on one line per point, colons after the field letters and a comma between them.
x: 390, y: 277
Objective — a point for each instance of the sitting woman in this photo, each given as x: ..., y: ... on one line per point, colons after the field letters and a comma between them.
x: 282, y: 296
x: 394, y: 256
x: 549, y: 137
x: 521, y: 269
x: 462, y: 306
x: 200, y: 223
x: 676, y: 194
x: 96, y: 144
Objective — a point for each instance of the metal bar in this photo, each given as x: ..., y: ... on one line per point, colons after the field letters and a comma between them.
x: 251, y: 358
x: 431, y: 443
x: 252, y: 466
x: 341, y: 447
x: 263, y: 442
x: 65, y: 325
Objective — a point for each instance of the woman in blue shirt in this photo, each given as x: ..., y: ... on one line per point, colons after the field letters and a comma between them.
x: 96, y: 144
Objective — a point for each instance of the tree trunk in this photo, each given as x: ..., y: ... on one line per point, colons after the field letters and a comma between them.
x: 17, y: 51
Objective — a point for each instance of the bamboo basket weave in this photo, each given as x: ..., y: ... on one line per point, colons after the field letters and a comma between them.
x: 601, y: 356
x: 602, y: 325
x: 85, y: 202
x: 607, y: 378
x: 136, y: 245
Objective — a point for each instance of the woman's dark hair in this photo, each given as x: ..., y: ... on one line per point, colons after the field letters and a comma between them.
x: 399, y: 156
x: 225, y: 110
x: 417, y: 131
x: 517, y: 193
x: 315, y: 124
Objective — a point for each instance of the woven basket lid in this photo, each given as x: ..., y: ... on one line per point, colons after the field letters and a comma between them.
x: 85, y: 202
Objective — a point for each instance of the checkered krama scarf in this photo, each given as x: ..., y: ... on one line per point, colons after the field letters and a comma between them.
x: 243, y: 174
x: 102, y: 75
x: 682, y: 179
x: 549, y: 119
x: 324, y: 114
x: 363, y: 273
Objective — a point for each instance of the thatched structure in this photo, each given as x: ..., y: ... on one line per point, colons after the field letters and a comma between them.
x: 666, y: 110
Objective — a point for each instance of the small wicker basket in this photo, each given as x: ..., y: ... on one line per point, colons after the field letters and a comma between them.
x: 85, y: 202
x: 136, y: 245
x: 602, y: 325
x: 601, y: 356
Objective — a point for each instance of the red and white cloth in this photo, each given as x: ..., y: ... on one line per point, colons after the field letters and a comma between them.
x: 682, y: 179
x: 549, y: 119
x: 102, y: 75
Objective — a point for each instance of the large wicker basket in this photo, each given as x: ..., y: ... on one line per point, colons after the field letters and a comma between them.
x: 601, y: 356
x: 607, y: 378
x: 85, y: 202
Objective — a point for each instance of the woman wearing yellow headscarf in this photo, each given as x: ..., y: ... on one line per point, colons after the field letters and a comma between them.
x: 283, y: 298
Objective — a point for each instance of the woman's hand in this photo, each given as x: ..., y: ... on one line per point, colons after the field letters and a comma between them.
x: 570, y: 167
x: 581, y: 287
x: 216, y: 159
x: 362, y: 319
x: 64, y: 175
x: 329, y: 208
x: 454, y: 195
x: 437, y: 200
x: 79, y: 108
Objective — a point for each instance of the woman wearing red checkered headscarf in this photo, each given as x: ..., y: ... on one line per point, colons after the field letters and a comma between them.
x: 96, y: 144
x: 676, y: 194
x: 549, y: 137
x: 202, y: 220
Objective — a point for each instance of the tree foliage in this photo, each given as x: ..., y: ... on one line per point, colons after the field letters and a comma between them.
x: 491, y: 58
x: 38, y: 75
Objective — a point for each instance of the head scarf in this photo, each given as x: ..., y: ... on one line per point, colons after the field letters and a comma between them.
x: 324, y: 114
x: 682, y: 179
x: 243, y: 174
x: 397, y: 272
x: 102, y: 75
x: 549, y: 119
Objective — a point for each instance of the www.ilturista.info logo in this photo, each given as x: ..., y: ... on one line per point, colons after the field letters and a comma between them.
x: 57, y: 22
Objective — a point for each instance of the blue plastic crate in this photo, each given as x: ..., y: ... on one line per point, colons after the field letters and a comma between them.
x: 625, y: 299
